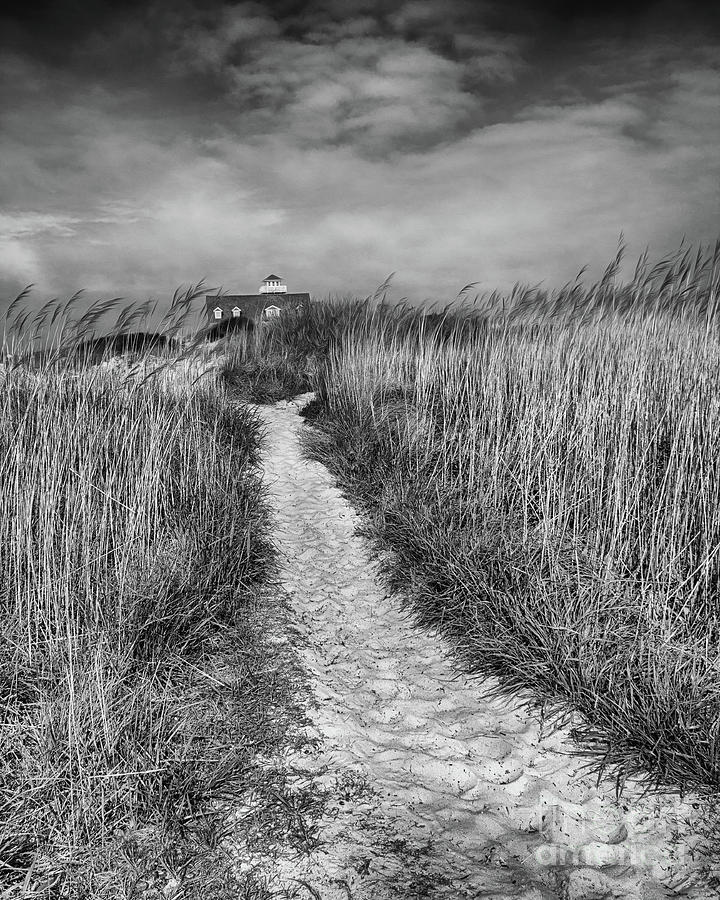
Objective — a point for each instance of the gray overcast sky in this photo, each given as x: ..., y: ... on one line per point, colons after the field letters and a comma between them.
x: 148, y: 145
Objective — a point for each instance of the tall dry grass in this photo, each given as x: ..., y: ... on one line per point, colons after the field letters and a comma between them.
x: 280, y: 358
x: 546, y: 473
x: 543, y: 467
x: 133, y: 536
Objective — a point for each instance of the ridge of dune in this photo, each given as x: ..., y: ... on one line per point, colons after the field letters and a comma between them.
x: 428, y: 789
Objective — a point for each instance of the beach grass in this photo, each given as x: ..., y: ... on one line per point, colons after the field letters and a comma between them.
x: 137, y: 680
x: 538, y: 472
x: 541, y: 476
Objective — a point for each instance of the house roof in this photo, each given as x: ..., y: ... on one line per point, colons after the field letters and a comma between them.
x: 272, y: 278
x: 261, y: 298
x: 253, y: 304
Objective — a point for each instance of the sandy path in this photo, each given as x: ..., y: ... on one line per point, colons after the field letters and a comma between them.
x: 431, y: 791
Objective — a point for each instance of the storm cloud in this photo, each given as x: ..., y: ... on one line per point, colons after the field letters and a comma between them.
x: 148, y: 145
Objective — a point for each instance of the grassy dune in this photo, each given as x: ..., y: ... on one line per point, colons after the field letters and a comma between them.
x: 552, y: 498
x: 135, y: 679
x: 547, y: 476
x: 543, y: 469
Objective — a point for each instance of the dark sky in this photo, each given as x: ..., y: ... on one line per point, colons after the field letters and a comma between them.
x: 146, y: 145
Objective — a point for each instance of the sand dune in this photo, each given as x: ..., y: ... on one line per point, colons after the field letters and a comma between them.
x: 429, y: 789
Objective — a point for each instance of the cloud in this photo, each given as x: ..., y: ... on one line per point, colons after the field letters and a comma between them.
x: 526, y: 200
x: 29, y: 224
x: 344, y: 82
x: 211, y: 44
x: 336, y: 145
x: 18, y: 259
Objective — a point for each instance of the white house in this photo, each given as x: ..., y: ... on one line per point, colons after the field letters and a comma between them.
x: 255, y: 307
x: 272, y: 285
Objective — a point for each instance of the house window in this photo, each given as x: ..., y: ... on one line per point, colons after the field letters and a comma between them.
x: 236, y: 312
x: 218, y: 312
x: 272, y: 312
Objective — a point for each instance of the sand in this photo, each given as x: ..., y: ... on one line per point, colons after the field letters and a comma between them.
x: 428, y: 789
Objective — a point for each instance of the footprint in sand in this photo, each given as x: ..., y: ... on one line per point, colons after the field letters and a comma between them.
x: 432, y: 791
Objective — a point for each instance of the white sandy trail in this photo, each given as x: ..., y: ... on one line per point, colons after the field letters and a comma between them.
x: 433, y: 791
